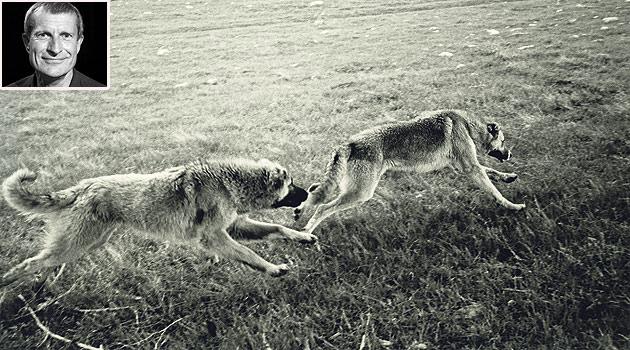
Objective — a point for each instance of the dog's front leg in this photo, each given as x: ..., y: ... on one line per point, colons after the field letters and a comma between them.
x: 224, y: 245
x: 247, y: 228
x: 481, y: 178
x: 496, y: 175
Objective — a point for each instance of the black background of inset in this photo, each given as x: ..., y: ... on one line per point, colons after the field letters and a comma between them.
x: 91, y: 60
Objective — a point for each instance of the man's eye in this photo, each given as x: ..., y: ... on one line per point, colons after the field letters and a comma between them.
x: 41, y: 35
x: 66, y: 36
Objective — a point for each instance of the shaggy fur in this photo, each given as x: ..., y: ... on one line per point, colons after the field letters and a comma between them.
x: 432, y: 141
x: 192, y: 204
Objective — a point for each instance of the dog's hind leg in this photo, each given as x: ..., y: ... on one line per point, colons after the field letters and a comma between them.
x: 247, y: 228
x: 496, y: 175
x: 297, y: 212
x: 343, y: 202
x: 45, y: 259
x: 481, y: 178
x: 60, y: 248
x: 356, y: 193
x: 222, y: 244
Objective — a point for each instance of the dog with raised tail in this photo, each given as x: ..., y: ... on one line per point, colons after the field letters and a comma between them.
x: 193, y: 204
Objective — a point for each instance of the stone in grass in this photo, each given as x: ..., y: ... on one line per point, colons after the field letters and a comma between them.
x: 493, y: 31
x: 163, y: 51
x: 385, y: 343
x: 610, y: 19
x: 416, y: 345
x: 445, y: 54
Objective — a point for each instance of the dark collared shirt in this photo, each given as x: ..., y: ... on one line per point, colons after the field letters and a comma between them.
x: 78, y: 80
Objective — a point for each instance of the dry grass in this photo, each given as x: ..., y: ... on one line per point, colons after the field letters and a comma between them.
x: 436, y: 266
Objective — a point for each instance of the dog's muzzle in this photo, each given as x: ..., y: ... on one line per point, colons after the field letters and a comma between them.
x: 293, y: 199
x: 500, y: 155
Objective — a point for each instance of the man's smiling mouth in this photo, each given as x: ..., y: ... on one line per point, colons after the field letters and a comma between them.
x: 53, y: 60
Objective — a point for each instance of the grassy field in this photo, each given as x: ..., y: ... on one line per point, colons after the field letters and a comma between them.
x: 436, y: 264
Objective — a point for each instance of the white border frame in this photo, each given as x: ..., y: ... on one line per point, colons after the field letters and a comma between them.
x: 107, y: 87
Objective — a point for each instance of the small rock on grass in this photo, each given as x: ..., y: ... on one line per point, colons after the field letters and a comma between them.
x: 416, y: 345
x: 445, y: 54
x: 385, y: 343
x: 610, y: 19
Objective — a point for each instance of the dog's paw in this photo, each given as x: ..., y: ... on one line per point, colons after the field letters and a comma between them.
x: 279, y: 270
x: 313, y: 187
x: 517, y: 207
x: 510, y: 178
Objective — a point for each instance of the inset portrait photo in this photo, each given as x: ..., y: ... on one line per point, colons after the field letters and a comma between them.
x: 55, y: 45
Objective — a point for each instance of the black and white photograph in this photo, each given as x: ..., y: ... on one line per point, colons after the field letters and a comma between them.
x: 317, y: 174
x: 54, y: 45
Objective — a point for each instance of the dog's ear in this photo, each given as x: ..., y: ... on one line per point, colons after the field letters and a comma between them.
x: 493, y: 128
x: 276, y: 177
x: 186, y: 184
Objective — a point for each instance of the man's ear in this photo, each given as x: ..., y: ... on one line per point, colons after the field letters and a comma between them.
x: 79, y: 42
x: 26, y: 40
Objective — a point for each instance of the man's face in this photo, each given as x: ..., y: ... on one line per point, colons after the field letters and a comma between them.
x: 54, y: 43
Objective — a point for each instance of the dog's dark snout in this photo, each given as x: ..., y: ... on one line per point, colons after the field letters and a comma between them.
x: 501, y: 155
x: 300, y: 193
x: 293, y: 199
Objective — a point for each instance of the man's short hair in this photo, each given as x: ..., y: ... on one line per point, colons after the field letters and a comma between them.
x: 54, y: 8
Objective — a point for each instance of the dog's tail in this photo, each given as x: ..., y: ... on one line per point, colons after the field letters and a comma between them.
x: 335, y: 170
x: 24, y: 200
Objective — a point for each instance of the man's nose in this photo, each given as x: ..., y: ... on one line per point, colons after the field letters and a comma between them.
x: 54, y: 45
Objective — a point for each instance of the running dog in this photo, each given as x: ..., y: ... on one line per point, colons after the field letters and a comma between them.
x: 432, y: 141
x: 193, y: 204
